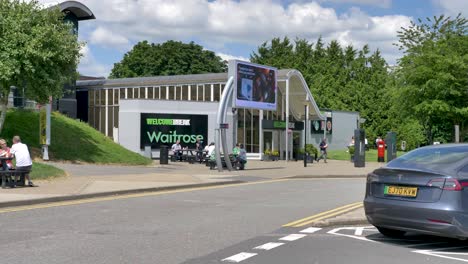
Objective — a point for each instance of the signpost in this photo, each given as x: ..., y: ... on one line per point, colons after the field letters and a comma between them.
x: 44, y: 128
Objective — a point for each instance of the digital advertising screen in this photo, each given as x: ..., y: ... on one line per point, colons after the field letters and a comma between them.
x: 255, y: 85
x: 166, y: 129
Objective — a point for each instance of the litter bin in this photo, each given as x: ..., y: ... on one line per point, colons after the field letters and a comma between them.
x: 164, y: 155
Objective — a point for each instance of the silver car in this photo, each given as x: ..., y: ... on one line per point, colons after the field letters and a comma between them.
x: 424, y: 191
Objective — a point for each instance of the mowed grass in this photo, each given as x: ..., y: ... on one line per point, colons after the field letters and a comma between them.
x: 371, y: 155
x: 41, y: 171
x: 71, y: 140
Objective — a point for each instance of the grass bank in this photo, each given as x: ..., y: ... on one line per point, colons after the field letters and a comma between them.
x: 71, y: 140
x: 371, y: 155
x: 43, y: 171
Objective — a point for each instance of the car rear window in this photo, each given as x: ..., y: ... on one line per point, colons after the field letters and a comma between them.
x: 431, y: 158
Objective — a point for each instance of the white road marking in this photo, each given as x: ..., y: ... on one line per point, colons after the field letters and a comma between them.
x: 336, y: 230
x: 269, y: 246
x: 359, y: 231
x: 310, y: 230
x: 239, y: 257
x: 292, y: 237
x: 438, y: 253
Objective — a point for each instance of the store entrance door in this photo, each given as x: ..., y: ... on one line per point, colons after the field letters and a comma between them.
x: 271, y: 140
x: 296, y: 144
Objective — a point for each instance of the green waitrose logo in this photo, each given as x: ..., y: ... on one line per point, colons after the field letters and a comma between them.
x: 167, y: 122
x: 172, y: 137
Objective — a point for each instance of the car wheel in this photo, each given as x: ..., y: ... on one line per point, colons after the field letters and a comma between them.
x: 391, y: 232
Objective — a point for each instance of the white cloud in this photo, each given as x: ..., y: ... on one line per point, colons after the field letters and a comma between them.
x: 378, y: 3
x: 108, y: 38
x: 452, y: 7
x: 220, y: 24
x: 228, y: 57
x: 89, y: 65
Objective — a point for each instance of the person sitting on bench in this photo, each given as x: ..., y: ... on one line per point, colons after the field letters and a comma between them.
x: 242, y: 157
x: 23, y: 159
x: 177, y: 150
x: 5, y: 152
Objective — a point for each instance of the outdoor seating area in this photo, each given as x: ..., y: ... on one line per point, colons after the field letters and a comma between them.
x: 193, y: 156
x: 189, y: 155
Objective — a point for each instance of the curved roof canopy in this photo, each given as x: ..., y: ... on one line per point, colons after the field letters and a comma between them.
x: 81, y: 11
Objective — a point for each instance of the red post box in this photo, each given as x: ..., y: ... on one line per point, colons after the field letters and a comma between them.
x: 381, y: 151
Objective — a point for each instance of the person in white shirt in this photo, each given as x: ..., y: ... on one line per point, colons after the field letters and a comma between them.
x: 176, y: 147
x: 22, y: 157
x: 211, y: 151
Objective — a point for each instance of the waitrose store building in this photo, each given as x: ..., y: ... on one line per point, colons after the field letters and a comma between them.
x: 155, y: 111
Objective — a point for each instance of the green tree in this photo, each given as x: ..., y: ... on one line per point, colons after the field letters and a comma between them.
x: 169, y: 58
x: 339, y: 78
x: 433, y: 74
x: 37, y: 51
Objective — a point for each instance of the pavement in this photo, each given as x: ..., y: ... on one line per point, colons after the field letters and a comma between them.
x: 89, y: 180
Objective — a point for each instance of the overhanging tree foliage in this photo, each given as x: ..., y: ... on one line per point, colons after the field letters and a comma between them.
x: 37, y: 51
x: 169, y: 58
x: 433, y: 75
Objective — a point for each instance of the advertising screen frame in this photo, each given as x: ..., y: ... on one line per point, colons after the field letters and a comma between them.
x: 255, y: 85
x: 167, y: 128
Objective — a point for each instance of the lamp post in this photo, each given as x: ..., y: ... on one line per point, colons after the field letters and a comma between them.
x: 305, y: 132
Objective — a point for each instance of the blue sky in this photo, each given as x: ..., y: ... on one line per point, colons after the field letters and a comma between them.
x: 234, y: 29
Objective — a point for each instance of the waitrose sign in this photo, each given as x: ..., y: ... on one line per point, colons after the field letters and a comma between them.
x: 166, y: 129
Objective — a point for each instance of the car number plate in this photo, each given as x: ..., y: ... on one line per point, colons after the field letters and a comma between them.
x: 400, y: 191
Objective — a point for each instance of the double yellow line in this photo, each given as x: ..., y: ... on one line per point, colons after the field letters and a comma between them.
x: 324, y: 215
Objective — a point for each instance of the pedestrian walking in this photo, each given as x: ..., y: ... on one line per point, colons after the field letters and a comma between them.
x: 323, y: 150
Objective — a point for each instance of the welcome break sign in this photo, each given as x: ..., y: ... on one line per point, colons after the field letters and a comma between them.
x: 166, y: 129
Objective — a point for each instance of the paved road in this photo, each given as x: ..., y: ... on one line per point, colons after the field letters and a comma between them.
x: 170, y: 227
x: 345, y: 244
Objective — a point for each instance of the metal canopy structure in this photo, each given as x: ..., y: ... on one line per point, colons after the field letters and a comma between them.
x: 292, y: 84
x: 81, y: 11
x: 298, y: 95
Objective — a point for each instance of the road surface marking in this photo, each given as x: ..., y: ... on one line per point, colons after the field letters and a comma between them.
x: 336, y: 230
x: 292, y: 237
x: 324, y: 215
x: 269, y: 246
x: 321, y: 214
x: 438, y: 253
x: 239, y: 257
x: 359, y: 231
x: 127, y: 196
x: 336, y: 213
x: 310, y: 230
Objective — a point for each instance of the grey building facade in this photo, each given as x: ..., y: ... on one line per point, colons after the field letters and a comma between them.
x: 131, y: 110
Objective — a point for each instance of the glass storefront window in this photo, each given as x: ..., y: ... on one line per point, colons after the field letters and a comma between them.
x: 163, y: 90
x: 216, y: 92
x: 150, y: 92
x: 172, y: 93
x: 129, y: 93
x: 193, y: 92
x: 156, y: 92
x: 185, y: 91
x: 110, y: 96
x: 207, y: 92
